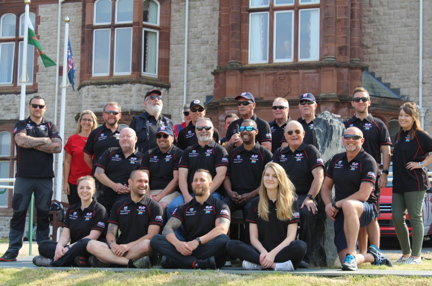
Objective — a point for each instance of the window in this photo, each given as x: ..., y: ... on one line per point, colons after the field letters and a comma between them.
x: 7, y: 163
x: 11, y: 48
x: 284, y: 30
x: 114, y: 42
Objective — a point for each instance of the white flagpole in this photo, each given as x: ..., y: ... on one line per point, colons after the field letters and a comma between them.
x: 62, y: 112
x: 24, y: 78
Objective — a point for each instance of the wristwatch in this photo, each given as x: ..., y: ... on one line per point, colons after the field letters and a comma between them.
x: 199, y: 240
x: 334, y: 205
x: 310, y: 197
x: 421, y: 164
x: 385, y: 172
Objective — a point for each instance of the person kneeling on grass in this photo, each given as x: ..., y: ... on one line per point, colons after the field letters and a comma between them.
x: 273, y: 219
x: 85, y: 221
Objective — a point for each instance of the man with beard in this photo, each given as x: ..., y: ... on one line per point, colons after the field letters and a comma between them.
x: 246, y: 164
x: 114, y: 167
x: 280, y: 109
x: 353, y: 174
x: 206, y: 154
x: 187, y: 136
x: 147, y: 123
x: 206, y: 222
x: 138, y: 218
x: 105, y: 136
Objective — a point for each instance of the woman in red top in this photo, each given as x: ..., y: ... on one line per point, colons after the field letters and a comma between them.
x: 74, y: 166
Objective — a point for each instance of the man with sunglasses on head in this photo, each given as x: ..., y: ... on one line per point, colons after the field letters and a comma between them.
x: 36, y: 140
x: 187, y: 136
x: 305, y: 168
x: 280, y: 109
x: 161, y: 165
x: 246, y: 164
x: 246, y: 106
x: 147, y: 123
x: 353, y: 174
x: 105, y: 136
x: 377, y: 143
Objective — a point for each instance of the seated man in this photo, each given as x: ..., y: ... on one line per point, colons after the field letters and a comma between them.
x: 206, y: 222
x: 138, y: 219
x: 353, y: 173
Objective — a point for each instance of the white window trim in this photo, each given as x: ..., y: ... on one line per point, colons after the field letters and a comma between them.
x: 309, y: 3
x: 249, y: 44
x: 157, y: 53
x: 1, y: 22
x: 93, y: 53
x: 116, y: 13
x: 299, y: 34
x: 21, y: 22
x: 291, y: 40
x: 130, y: 57
x: 258, y: 6
x: 158, y: 15
x: 284, y: 5
x: 13, y: 59
x: 94, y: 14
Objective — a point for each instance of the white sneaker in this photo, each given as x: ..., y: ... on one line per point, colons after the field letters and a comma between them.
x: 402, y: 259
x: 251, y: 266
x: 285, y: 266
x: 412, y: 260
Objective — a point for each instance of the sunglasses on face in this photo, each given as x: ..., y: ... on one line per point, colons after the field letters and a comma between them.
x: 153, y: 97
x: 304, y: 102
x: 186, y: 113
x: 111, y: 112
x: 37, y: 105
x: 358, y: 99
x: 159, y: 136
x: 247, y: 128
x: 279, y: 107
x: 197, y: 109
x: 352, y: 136
x: 290, y: 132
x: 200, y: 128
x: 244, y: 102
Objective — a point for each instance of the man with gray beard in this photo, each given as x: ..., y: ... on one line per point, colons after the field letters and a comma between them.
x: 147, y: 123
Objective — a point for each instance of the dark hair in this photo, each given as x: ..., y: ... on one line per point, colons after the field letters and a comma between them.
x: 36, y: 97
x: 412, y: 110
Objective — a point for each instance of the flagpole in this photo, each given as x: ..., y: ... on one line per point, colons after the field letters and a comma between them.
x: 62, y: 111
x: 24, y: 78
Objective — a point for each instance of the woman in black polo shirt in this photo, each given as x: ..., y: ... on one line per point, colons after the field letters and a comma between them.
x: 84, y: 221
x: 273, y: 221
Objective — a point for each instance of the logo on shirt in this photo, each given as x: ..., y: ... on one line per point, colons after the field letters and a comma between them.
x: 29, y: 126
x: 133, y: 160
x: 141, y: 210
x: 124, y: 211
x: 224, y: 160
x: 238, y: 160
x: 101, y: 137
x: 407, y: 139
x: 268, y: 136
x: 73, y: 216
x: 298, y: 157
x: 208, y: 209
x: 154, y: 159
x: 116, y: 136
x: 190, y: 134
x: 311, y: 126
x: 367, y: 126
x: 42, y: 127
x: 320, y: 161
x: 116, y: 158
x: 283, y: 158
x: 254, y: 158
x: 371, y: 175
x: 168, y: 157
x: 224, y: 212
x: 296, y: 215
x: 193, y: 154
x: 338, y: 165
x: 88, y: 216
x: 272, y: 129
x: 190, y: 212
x: 208, y: 152
x: 101, y: 224
x: 159, y: 219
x: 354, y: 166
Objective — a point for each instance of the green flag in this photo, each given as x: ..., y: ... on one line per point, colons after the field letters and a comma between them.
x: 32, y: 40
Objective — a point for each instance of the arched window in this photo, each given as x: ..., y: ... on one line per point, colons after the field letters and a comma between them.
x: 6, y: 165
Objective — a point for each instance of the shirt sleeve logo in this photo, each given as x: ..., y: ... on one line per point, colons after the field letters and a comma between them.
x: 101, y: 224
x: 268, y: 136
x: 371, y: 175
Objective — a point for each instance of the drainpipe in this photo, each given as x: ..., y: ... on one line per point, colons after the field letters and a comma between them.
x: 185, y: 52
x: 422, y: 109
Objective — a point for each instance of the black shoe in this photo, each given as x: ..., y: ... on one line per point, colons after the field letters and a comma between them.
x: 7, y: 257
x: 94, y: 262
x: 42, y: 261
x: 81, y: 261
x: 208, y: 263
x: 304, y: 264
x: 143, y: 262
x: 166, y: 263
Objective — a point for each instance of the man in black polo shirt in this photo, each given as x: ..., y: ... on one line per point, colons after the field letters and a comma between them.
x: 353, y: 174
x: 147, y: 123
x: 307, y: 105
x: 246, y: 106
x: 114, y: 167
x: 377, y: 142
x: 303, y: 164
x: 206, y: 223
x: 187, y: 136
x: 206, y: 154
x: 246, y: 164
x: 280, y: 109
x: 161, y: 165
x: 105, y: 136
x: 138, y: 218
x: 36, y: 140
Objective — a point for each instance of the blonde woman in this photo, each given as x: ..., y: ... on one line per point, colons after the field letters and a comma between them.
x: 74, y: 165
x: 273, y: 219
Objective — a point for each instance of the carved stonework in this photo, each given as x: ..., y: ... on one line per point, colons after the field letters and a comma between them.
x: 282, y: 86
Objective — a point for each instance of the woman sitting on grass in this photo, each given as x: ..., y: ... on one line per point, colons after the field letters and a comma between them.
x: 273, y: 222
x: 84, y: 221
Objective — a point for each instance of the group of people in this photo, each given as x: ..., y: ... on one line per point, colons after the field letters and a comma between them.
x: 170, y: 189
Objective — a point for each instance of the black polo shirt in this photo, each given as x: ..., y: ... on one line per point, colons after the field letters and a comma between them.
x: 117, y: 167
x: 245, y: 167
x: 299, y: 165
x: 133, y: 219
x: 272, y: 232
x: 187, y: 136
x: 210, y: 157
x: 410, y: 150
x: 348, y: 176
x: 310, y: 134
x: 145, y: 126
x: 197, y: 219
x: 82, y: 222
x: 375, y: 133
x: 161, y: 166
x: 264, y: 132
x: 277, y: 133
x: 100, y: 140
x: 32, y: 163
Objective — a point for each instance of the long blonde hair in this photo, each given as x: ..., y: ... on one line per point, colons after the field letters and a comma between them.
x: 94, y: 120
x: 285, y: 196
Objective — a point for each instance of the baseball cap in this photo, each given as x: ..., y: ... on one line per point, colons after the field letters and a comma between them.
x: 165, y: 129
x: 186, y: 107
x: 196, y: 102
x: 157, y: 91
x: 307, y: 96
x: 246, y: 95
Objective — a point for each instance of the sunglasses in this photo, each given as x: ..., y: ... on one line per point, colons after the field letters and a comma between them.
x: 304, y: 102
x: 247, y: 128
x: 111, y: 112
x: 352, y: 136
x: 279, y: 107
x: 200, y: 128
x: 358, y: 99
x: 290, y: 132
x: 186, y: 113
x: 244, y: 102
x: 159, y: 136
x: 37, y: 105
x: 153, y: 97
x: 197, y: 109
